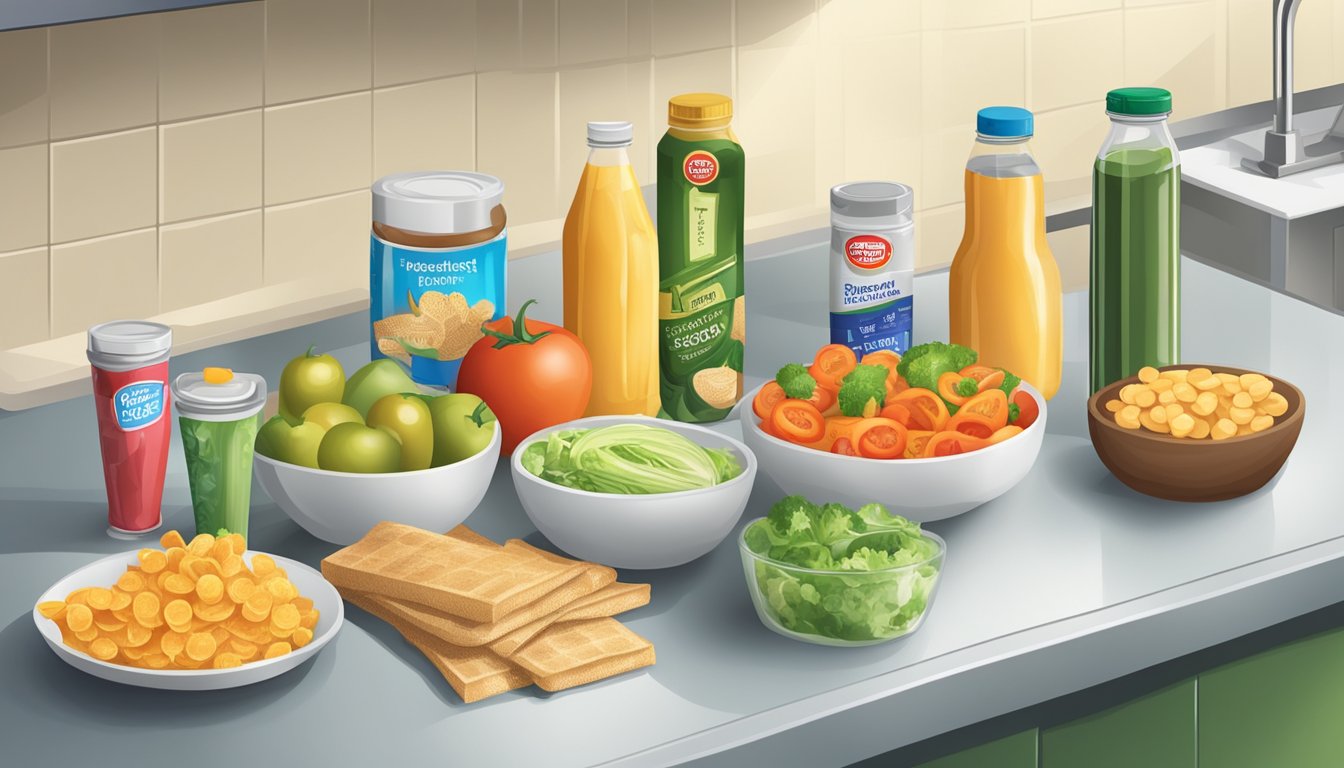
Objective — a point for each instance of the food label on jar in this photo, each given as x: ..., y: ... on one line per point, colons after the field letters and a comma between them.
x: 427, y: 305
x: 138, y: 405
x: 701, y: 327
x: 872, y: 290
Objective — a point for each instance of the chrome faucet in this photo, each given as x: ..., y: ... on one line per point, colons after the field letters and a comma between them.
x: 1284, y: 151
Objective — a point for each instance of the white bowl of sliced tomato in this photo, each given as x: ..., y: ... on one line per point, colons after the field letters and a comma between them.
x: 840, y: 429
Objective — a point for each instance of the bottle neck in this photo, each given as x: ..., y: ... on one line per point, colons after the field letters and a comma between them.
x: 1140, y: 132
x: 608, y: 157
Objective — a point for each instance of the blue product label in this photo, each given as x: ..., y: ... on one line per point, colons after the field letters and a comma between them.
x: 884, y: 327
x: 138, y: 405
x: 427, y: 304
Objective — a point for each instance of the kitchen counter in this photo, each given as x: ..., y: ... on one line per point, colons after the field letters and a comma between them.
x: 1067, y: 581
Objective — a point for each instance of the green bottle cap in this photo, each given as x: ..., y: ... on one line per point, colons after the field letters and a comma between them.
x: 1139, y: 101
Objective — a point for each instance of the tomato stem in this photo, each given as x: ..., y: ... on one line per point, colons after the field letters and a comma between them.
x: 311, y: 349
x: 520, y: 333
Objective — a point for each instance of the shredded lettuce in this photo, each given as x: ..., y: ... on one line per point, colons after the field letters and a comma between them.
x: 884, y: 602
x: 628, y: 459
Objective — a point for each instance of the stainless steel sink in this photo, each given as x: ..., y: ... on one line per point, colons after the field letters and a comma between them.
x: 1285, y: 232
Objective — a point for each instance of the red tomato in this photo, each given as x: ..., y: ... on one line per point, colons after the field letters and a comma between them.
x: 831, y: 364
x: 951, y: 444
x: 1027, y: 408
x: 844, y: 447
x: 798, y: 421
x: 532, y: 374
x: 766, y: 399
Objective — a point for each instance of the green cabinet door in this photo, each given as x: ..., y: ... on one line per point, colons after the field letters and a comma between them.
x: 1156, y: 731
x: 1283, y: 707
x: 1016, y: 751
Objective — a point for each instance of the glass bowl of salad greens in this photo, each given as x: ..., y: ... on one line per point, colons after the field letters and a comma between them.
x: 831, y: 575
x: 633, y: 492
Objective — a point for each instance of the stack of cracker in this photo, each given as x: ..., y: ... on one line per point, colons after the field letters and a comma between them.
x: 493, y: 618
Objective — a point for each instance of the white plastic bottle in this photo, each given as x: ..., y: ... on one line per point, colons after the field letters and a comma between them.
x: 872, y: 266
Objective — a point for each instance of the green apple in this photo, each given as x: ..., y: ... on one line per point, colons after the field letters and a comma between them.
x: 463, y: 427
x: 307, y: 380
x: 282, y: 441
x: 374, y: 381
x: 406, y: 417
x: 356, y: 448
x: 328, y: 415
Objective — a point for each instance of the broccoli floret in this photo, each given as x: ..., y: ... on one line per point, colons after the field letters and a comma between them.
x: 792, y: 514
x: 967, y: 387
x: 1010, y: 383
x: 922, y: 365
x: 1013, y: 412
x: 858, y: 395
x: 867, y: 374
x: 796, y: 382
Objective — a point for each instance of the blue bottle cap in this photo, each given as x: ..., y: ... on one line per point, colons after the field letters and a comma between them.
x: 1004, y: 122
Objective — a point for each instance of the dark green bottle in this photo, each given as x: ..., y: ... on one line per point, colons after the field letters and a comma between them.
x: 701, y: 309
x: 1136, y: 239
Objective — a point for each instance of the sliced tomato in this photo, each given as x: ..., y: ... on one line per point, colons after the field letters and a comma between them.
x: 824, y: 399
x: 1000, y: 435
x: 948, y: 443
x: 947, y: 388
x: 832, y: 363
x: 837, y: 427
x: 915, y: 441
x: 766, y: 399
x: 879, y: 438
x: 972, y: 424
x: 797, y: 421
x: 844, y: 447
x: 977, y: 371
x: 992, y: 404
x: 1028, y: 410
x: 992, y: 381
x: 927, y: 409
x: 897, y: 412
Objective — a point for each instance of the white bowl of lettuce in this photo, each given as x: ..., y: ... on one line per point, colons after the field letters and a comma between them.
x: 831, y: 575
x: 633, y: 492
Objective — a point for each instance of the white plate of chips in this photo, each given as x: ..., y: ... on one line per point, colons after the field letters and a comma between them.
x: 107, y: 572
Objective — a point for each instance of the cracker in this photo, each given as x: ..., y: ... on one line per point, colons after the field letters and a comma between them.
x: 581, y: 652
x: 608, y: 601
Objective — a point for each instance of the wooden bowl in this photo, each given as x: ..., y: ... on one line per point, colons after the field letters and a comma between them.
x: 1194, y: 470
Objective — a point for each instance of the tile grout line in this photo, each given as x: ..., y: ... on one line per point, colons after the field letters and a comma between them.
x: 158, y: 164
x: 265, y: 69
x: 51, y: 201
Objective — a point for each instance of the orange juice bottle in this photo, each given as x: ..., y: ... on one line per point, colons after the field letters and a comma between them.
x: 611, y: 277
x: 1004, y: 294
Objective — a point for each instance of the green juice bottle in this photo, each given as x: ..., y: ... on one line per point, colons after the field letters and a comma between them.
x: 701, y: 311
x: 1136, y: 239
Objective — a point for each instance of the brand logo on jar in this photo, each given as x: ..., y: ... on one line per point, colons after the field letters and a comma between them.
x: 700, y: 167
x: 867, y: 251
x: 138, y: 405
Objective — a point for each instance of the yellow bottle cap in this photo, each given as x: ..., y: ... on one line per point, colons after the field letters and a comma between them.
x: 699, y: 110
x: 217, y: 375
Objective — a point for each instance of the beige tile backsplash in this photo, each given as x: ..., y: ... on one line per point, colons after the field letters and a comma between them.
x: 196, y: 155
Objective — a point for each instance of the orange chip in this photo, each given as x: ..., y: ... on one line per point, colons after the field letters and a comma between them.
x: 100, y: 599
x: 103, y: 649
x: 240, y: 589
x: 152, y: 560
x: 175, y: 556
x: 131, y: 581
x: 179, y: 584
x: 309, y: 619
x: 238, y: 542
x: 286, y: 617
x: 172, y: 643
x: 277, y: 649
x: 87, y: 634
x: 227, y: 660
x: 200, y: 646
x: 210, y: 588
x: 301, y: 637
x: 258, y: 606
x: 231, y: 566
x: 177, y: 613
x: 52, y: 609
x: 262, y: 564
x: 137, y: 636
x: 155, y: 660
x: 214, y: 613
x: 281, y: 590
x: 145, y: 608
x: 201, y: 545
x: 78, y: 618
x: 172, y: 539
x: 120, y: 600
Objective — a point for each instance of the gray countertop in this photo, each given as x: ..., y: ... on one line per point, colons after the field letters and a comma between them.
x: 1066, y: 581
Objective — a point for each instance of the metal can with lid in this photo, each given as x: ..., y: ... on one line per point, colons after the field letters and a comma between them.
x: 872, y: 266
x: 437, y: 260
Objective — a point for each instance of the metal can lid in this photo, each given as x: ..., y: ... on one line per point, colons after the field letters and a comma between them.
x: 208, y: 396
x: 126, y: 344
x: 873, y: 199
x: 437, y: 202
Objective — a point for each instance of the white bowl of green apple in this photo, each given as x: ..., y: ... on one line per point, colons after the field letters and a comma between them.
x: 342, y: 456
